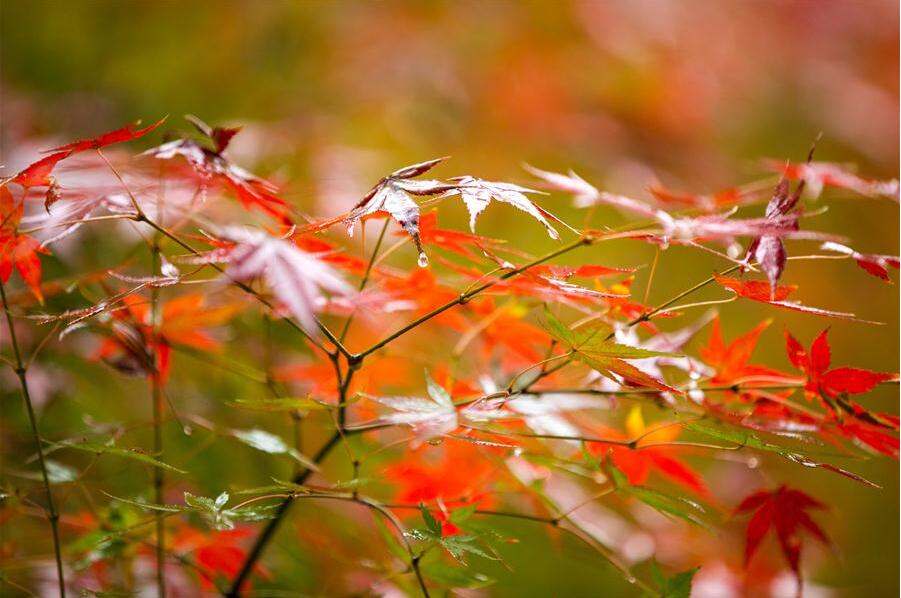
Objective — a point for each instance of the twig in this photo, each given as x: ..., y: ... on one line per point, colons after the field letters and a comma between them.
x: 52, y: 513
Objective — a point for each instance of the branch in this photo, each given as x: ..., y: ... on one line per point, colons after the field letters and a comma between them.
x: 52, y: 513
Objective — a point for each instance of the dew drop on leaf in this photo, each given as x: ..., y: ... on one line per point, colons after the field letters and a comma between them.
x: 187, y: 430
x: 423, y: 260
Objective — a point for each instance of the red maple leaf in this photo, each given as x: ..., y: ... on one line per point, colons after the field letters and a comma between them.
x: 762, y: 291
x: 211, y: 164
x: 724, y: 197
x: 182, y: 322
x: 16, y: 250
x: 217, y: 555
x: 784, y: 510
x: 638, y: 463
x: 37, y: 174
x: 455, y: 241
x: 731, y: 361
x: 822, y: 381
x: 455, y: 474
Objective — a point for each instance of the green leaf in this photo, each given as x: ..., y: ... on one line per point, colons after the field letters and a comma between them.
x: 590, y: 346
x: 744, y: 437
x: 430, y: 522
x: 607, y: 364
x: 351, y: 484
x: 57, y: 473
x: 278, y: 486
x: 200, y: 503
x: 109, y: 449
x: 151, y: 506
x: 460, y: 515
x: 458, y: 545
x: 558, y: 329
x: 619, y: 478
x: 677, y: 586
x: 280, y: 404
x: 740, y: 436
x: 671, y: 505
x: 253, y: 512
x: 437, y: 392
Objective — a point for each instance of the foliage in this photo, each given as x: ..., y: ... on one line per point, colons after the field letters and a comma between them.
x: 550, y: 394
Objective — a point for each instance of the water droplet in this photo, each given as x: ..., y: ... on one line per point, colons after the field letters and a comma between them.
x: 423, y: 260
x: 187, y: 430
x: 631, y: 579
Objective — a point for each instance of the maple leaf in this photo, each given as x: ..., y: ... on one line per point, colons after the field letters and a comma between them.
x: 455, y: 473
x: 584, y: 193
x: 762, y: 291
x: 217, y: 554
x: 330, y: 253
x: 769, y: 250
x: 731, y: 361
x: 785, y: 511
x: 872, y: 436
x: 21, y: 251
x: 126, y: 133
x: 131, y: 342
x: 455, y: 241
x: 817, y: 175
x: 429, y: 418
x: 590, y: 346
x: 822, y: 381
x: 637, y: 463
x: 16, y: 250
x: 872, y: 263
x: 38, y: 173
x: 725, y: 197
x: 681, y: 229
x: 477, y: 194
x: 391, y: 195
x: 296, y: 278
x: 211, y: 164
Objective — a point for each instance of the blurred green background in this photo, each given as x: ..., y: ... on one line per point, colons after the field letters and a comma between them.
x: 691, y: 93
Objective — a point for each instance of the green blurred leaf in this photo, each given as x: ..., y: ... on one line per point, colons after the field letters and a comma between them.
x: 280, y: 404
x: 109, y: 449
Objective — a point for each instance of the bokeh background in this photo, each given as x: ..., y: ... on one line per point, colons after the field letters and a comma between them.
x: 690, y: 93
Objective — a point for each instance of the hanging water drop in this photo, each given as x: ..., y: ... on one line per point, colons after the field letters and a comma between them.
x: 187, y: 430
x: 423, y: 260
